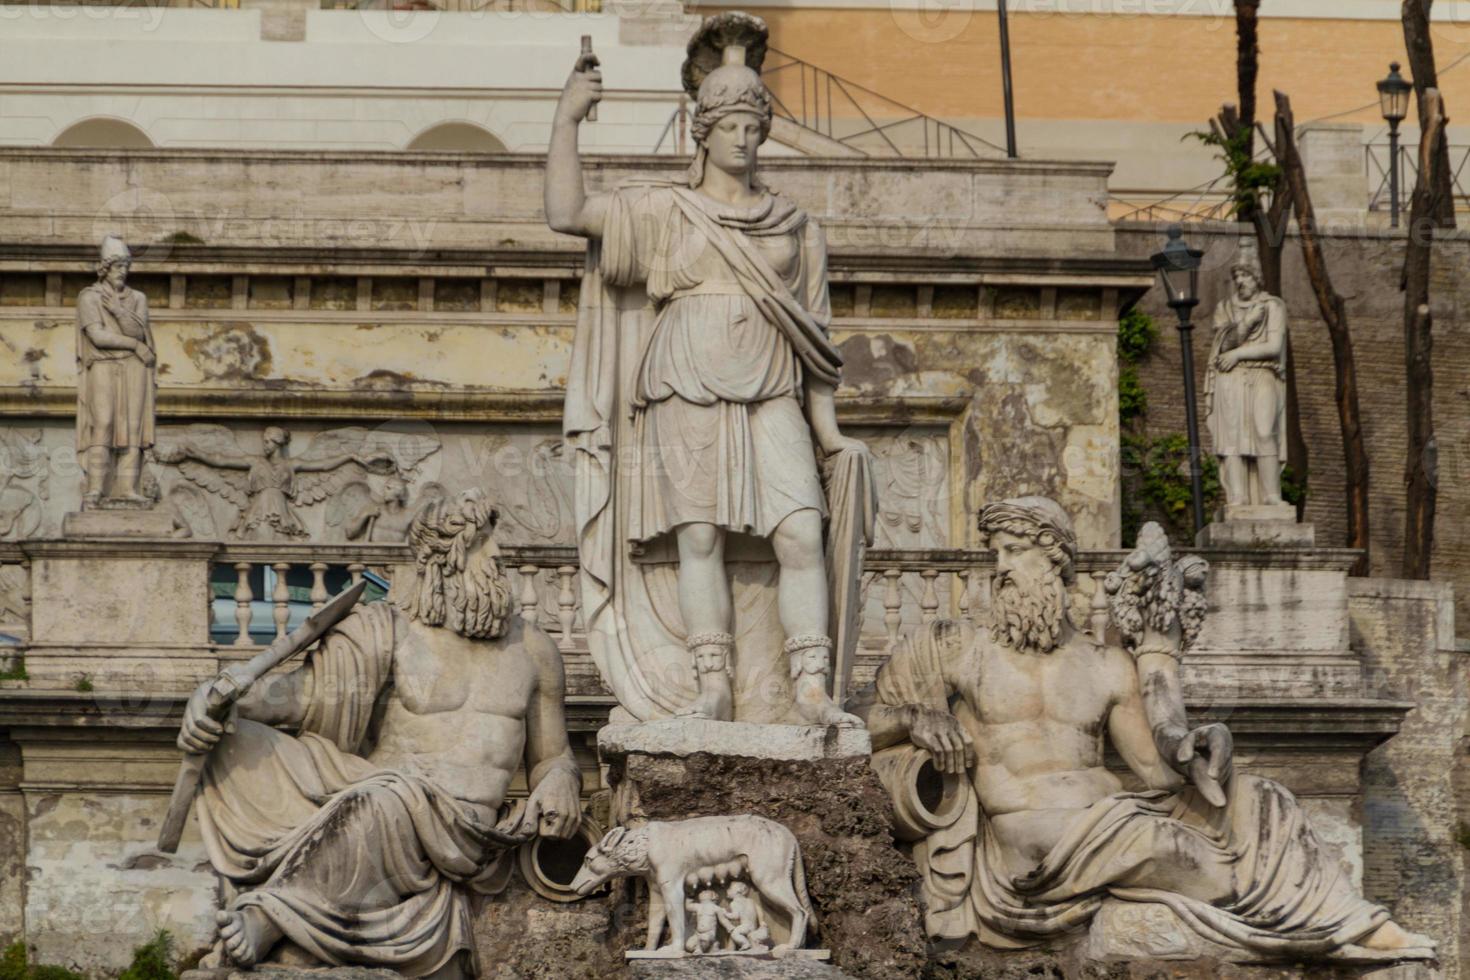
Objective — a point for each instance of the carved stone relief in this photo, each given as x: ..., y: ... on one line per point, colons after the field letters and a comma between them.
x: 25, y: 484
x: 712, y: 882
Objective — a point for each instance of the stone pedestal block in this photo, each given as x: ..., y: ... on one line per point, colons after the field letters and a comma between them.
x: 735, y: 968
x: 818, y: 783
x: 1257, y: 526
x: 126, y: 617
x: 118, y: 523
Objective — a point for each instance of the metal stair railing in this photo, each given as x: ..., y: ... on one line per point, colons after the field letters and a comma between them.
x: 867, y: 121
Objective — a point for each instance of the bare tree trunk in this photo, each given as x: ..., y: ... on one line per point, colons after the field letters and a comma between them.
x: 1419, y: 43
x: 1420, y: 469
x: 1271, y: 226
x: 1247, y: 66
x: 1334, y: 314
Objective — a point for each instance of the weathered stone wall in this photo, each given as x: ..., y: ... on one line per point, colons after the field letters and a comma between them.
x: 1413, y: 816
x: 1365, y: 269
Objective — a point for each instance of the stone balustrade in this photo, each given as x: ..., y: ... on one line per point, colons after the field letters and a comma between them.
x: 285, y: 581
x: 15, y: 601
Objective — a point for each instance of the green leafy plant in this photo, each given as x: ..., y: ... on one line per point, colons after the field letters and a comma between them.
x: 15, y: 964
x: 1137, y: 334
x: 1159, y: 467
x: 15, y: 672
x: 153, y: 960
x: 1248, y: 176
x: 1293, y: 489
x: 83, y: 684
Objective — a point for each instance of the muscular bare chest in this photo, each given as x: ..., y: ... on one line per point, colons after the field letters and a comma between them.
x: 1065, y: 687
x: 441, y: 672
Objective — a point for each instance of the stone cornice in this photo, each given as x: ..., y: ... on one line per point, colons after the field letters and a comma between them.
x: 1357, y: 724
x: 846, y: 264
x: 652, y: 163
x: 444, y: 406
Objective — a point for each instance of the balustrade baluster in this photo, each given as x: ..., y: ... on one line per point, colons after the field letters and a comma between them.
x: 25, y: 593
x: 355, y: 569
x: 243, y: 598
x: 963, y: 577
x: 1099, y: 609
x: 566, y: 603
x: 281, y: 596
x: 318, y: 585
x: 892, y: 603
x: 528, y: 592
x: 929, y: 598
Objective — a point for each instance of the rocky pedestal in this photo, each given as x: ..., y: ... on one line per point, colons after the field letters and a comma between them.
x: 816, y: 782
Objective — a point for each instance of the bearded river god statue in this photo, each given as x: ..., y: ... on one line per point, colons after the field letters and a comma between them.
x: 1041, y: 832
x: 700, y: 407
x: 358, y: 839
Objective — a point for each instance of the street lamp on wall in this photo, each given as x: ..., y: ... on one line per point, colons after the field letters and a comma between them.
x: 1393, y: 101
x: 1178, y: 268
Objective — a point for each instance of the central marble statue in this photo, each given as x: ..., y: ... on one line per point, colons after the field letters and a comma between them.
x: 700, y: 407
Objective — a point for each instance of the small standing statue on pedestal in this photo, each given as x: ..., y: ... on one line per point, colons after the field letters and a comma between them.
x: 116, y: 383
x: 720, y: 512
x: 1245, y: 388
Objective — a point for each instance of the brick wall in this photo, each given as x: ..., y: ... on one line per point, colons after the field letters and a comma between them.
x: 1365, y: 269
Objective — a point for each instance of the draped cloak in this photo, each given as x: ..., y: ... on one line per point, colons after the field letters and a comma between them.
x: 115, y: 389
x: 355, y: 864
x: 1292, y: 898
x: 1245, y: 407
x: 660, y: 240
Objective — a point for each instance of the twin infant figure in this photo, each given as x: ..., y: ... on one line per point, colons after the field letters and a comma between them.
x: 742, y: 920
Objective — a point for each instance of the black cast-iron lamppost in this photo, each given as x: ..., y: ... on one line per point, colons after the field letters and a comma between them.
x: 1178, y: 266
x: 1393, y: 99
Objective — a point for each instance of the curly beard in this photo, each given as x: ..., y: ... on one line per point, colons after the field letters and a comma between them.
x: 1029, y: 617
x: 478, y: 600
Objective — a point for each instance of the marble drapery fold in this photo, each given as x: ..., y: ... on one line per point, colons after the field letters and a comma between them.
x: 670, y: 265
x: 1290, y: 893
x: 355, y: 865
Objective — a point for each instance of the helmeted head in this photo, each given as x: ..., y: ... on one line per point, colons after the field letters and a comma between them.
x: 1035, y: 560
x: 732, y: 106
x: 114, y: 260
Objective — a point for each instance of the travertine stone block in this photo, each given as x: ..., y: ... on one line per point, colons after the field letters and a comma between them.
x: 683, y: 737
x: 87, y: 592
x: 118, y: 524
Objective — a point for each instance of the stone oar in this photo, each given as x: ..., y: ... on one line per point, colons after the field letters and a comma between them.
x: 231, y: 685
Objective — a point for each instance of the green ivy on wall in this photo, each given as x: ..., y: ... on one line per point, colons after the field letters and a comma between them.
x: 1155, y: 469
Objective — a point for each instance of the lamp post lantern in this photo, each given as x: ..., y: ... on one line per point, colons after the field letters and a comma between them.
x: 1393, y: 101
x: 1178, y: 267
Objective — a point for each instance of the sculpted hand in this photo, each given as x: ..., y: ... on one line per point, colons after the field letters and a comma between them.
x: 1227, y: 360
x: 1206, y: 755
x: 146, y: 355
x: 199, y: 732
x: 836, y: 443
x: 940, y: 734
x: 582, y: 91
x: 553, y: 809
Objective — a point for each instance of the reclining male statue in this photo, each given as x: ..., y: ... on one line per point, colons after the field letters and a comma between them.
x: 1047, y: 832
x: 356, y: 840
